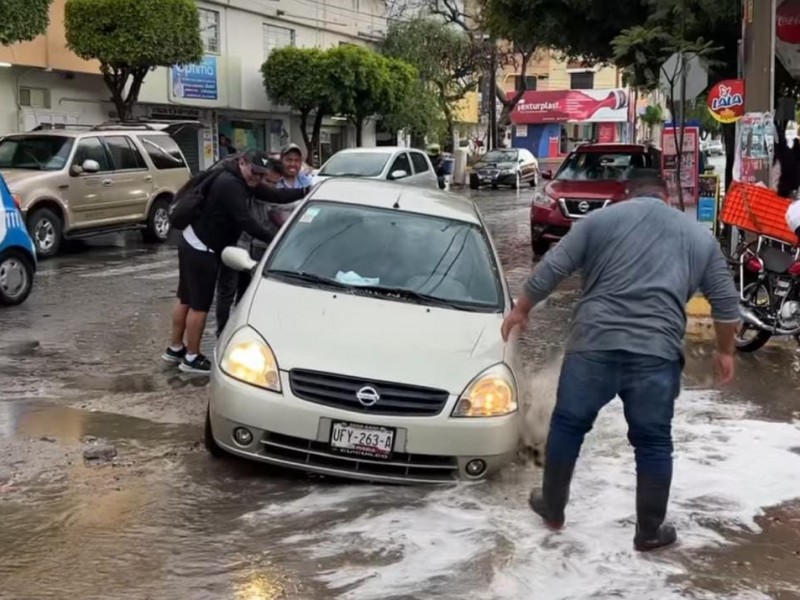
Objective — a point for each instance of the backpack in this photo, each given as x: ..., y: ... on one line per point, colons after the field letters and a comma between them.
x: 190, y: 201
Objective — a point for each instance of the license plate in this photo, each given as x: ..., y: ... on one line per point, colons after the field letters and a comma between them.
x: 364, y: 440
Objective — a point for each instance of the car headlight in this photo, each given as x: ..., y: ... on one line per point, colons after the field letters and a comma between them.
x: 493, y: 393
x: 543, y: 200
x: 249, y: 358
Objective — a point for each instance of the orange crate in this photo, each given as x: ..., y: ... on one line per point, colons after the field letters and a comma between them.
x: 757, y: 209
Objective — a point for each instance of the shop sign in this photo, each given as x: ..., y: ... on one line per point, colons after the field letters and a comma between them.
x: 560, y: 106
x: 726, y: 100
x: 788, y: 22
x: 195, y: 82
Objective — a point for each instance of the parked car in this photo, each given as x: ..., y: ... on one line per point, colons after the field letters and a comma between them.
x: 75, y: 183
x: 591, y: 177
x: 390, y: 163
x: 368, y: 345
x: 17, y: 253
x: 714, y: 148
x: 510, y: 166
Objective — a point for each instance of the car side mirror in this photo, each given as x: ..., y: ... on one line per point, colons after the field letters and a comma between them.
x: 398, y: 174
x: 547, y: 174
x: 88, y: 166
x: 238, y: 259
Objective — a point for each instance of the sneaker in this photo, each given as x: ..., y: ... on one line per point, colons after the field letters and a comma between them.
x: 171, y: 356
x: 199, y: 366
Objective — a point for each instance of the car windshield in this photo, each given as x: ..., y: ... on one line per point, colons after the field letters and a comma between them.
x: 402, y: 256
x: 603, y: 166
x: 500, y: 156
x: 355, y: 164
x: 36, y: 152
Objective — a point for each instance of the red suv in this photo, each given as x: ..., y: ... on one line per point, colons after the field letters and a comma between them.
x: 591, y: 177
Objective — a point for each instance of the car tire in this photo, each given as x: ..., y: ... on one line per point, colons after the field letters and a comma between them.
x: 211, y: 445
x: 16, y: 277
x: 494, y: 186
x: 157, y: 228
x: 534, y: 181
x: 46, y: 230
x: 474, y: 184
x: 540, y: 248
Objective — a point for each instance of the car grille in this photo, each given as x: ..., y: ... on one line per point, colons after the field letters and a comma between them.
x: 489, y: 172
x: 340, y: 391
x: 576, y: 208
x: 401, y: 466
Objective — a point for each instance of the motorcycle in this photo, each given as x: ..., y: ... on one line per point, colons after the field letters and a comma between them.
x: 769, y: 282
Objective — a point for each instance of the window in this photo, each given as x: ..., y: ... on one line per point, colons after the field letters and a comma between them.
x: 34, y: 97
x: 91, y: 148
x: 35, y: 152
x: 125, y: 156
x: 446, y: 259
x: 581, y: 81
x: 355, y: 164
x: 163, y: 151
x: 276, y: 37
x: 605, y: 166
x: 401, y: 163
x: 530, y: 82
x: 420, y: 162
x: 209, y: 30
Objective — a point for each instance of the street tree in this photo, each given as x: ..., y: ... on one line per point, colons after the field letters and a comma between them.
x: 23, y: 20
x: 130, y: 38
x: 411, y: 106
x: 300, y: 78
x: 447, y: 59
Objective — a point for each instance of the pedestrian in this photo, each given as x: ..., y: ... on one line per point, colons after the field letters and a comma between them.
x: 225, y: 215
x: 232, y: 284
x: 226, y: 146
x: 294, y: 176
x: 641, y: 261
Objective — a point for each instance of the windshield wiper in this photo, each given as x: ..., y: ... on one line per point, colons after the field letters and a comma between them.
x: 308, y: 278
x: 407, y: 294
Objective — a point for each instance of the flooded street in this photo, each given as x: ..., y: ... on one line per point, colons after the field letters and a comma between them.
x: 107, y: 492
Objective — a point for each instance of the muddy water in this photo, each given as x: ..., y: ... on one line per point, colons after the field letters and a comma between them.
x: 163, y: 520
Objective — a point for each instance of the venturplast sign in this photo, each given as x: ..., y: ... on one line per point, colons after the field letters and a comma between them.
x: 195, y: 82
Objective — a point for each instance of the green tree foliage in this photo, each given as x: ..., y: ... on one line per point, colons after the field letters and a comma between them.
x: 300, y: 79
x: 132, y: 37
x: 23, y: 20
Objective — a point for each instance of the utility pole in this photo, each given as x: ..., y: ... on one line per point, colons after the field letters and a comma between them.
x: 492, y: 96
x: 759, y: 54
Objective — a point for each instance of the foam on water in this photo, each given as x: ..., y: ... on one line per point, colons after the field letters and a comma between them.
x: 728, y: 468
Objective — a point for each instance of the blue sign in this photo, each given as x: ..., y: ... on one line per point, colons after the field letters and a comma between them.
x: 706, y: 209
x: 195, y: 82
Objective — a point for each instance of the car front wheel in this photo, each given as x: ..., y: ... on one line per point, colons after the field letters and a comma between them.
x: 46, y: 229
x: 157, y: 227
x: 16, y: 277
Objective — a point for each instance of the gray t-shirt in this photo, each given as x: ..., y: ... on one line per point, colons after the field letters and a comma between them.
x: 641, y: 261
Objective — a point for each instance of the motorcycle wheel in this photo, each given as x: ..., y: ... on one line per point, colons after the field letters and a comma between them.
x: 757, y: 295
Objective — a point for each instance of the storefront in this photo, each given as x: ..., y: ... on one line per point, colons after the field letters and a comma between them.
x: 551, y: 123
x: 244, y: 132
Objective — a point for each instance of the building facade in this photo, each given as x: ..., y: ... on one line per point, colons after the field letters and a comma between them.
x: 567, y: 103
x: 44, y: 83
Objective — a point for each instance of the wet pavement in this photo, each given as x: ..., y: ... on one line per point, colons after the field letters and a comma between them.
x: 106, y: 491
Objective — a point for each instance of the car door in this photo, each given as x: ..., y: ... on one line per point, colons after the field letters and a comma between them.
x: 85, y: 192
x: 131, y: 185
x: 401, y: 162
x: 423, y: 171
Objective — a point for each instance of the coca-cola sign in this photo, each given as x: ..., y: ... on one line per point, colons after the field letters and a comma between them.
x: 788, y: 23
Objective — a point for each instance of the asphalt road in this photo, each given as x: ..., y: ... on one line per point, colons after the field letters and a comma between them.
x: 163, y: 520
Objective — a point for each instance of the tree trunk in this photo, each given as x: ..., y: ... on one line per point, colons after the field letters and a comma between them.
x: 678, y: 149
x: 315, y: 135
x: 304, y: 132
x: 359, y: 123
x: 125, y: 84
x: 729, y: 139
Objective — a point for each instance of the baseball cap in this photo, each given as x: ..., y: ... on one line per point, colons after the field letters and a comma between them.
x: 260, y: 162
x: 292, y: 148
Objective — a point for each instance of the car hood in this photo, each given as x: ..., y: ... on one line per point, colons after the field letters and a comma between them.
x: 614, y: 190
x: 16, y: 177
x: 374, y: 338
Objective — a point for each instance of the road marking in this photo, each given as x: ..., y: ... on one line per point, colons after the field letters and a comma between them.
x: 128, y: 269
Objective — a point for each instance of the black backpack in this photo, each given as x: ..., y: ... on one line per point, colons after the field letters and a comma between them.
x: 190, y: 201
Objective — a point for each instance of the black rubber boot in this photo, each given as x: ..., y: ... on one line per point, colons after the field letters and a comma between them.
x: 652, y: 498
x: 550, y: 501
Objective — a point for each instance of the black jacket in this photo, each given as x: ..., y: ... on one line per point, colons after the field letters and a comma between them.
x: 227, y: 213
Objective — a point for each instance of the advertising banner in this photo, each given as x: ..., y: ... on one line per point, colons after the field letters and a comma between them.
x: 690, y: 163
x: 708, y: 200
x: 726, y: 100
x: 787, y: 35
x: 195, y: 82
x: 558, y: 106
x: 755, y: 148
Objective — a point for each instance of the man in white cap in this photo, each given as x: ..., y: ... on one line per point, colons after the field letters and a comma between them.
x: 293, y: 177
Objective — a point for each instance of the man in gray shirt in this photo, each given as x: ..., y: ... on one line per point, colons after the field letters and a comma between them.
x: 641, y: 261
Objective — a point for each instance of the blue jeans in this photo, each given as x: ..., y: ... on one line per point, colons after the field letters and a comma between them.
x: 648, y: 387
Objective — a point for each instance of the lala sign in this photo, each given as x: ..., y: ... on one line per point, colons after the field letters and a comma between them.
x: 726, y: 101
x: 788, y: 25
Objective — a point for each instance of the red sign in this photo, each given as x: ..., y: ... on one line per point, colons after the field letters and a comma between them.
x: 593, y: 106
x: 726, y: 100
x: 606, y: 133
x: 788, y: 25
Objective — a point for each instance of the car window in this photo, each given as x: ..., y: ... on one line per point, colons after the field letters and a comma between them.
x: 91, y: 148
x: 35, y: 152
x: 401, y: 163
x: 355, y: 164
x: 500, y: 156
x: 163, y: 151
x: 420, y: 162
x: 603, y: 166
x: 124, y: 153
x: 360, y: 245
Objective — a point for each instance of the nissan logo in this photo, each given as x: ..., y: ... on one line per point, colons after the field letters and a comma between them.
x: 368, y: 396
x: 583, y: 206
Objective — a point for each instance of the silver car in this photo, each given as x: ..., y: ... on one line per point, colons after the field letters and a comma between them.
x: 389, y: 163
